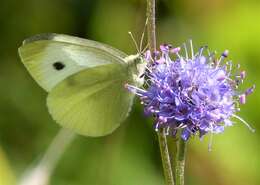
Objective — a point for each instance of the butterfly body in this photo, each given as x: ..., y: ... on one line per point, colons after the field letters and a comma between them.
x: 85, y: 81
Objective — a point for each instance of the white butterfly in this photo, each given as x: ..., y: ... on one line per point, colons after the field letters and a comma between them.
x: 85, y: 81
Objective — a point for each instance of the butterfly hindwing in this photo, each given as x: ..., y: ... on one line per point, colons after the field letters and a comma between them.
x: 92, y: 102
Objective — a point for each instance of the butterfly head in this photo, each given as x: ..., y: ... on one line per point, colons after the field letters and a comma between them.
x: 137, y: 65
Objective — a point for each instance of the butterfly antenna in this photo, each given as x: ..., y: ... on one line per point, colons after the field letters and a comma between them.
x: 143, y: 34
x: 145, y: 48
x: 135, y: 43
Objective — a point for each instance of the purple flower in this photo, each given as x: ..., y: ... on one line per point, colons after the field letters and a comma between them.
x: 198, y: 93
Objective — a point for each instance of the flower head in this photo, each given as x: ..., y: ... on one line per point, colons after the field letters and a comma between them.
x: 197, y: 93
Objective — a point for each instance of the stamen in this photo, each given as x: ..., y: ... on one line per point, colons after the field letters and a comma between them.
x: 250, y: 90
x: 210, y: 56
x: 186, y: 51
x: 156, y: 127
x: 178, y: 55
x: 223, y: 56
x: 192, y: 52
x: 243, y: 121
x: 230, y: 64
x: 210, y: 141
x: 175, y: 50
x: 242, y: 98
x: 135, y: 90
x: 201, y: 51
x: 242, y: 74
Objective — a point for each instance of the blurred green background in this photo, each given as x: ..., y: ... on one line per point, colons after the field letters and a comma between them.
x: 130, y: 156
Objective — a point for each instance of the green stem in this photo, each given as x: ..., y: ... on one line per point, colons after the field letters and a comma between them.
x: 172, y: 147
x: 166, y: 162
x: 180, y: 162
x: 150, y: 14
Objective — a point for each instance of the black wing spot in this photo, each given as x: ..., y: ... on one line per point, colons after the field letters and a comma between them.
x: 58, y: 65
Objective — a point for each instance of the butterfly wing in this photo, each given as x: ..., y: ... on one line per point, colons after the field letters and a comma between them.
x: 92, y: 102
x: 51, y: 58
x: 85, y: 80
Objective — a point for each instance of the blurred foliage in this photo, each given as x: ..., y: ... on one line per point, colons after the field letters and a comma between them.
x: 6, y: 175
x: 130, y: 155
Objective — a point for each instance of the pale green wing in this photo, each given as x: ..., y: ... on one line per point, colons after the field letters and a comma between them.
x: 51, y: 58
x: 76, y: 40
x: 92, y: 102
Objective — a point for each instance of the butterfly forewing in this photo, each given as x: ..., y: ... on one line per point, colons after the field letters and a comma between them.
x: 50, y: 58
x: 80, y: 41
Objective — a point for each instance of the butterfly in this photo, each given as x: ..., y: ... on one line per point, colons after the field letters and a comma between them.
x: 84, y: 80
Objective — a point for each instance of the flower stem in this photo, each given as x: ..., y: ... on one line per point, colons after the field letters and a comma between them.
x: 150, y: 14
x: 180, y: 162
x: 172, y: 147
x: 166, y: 162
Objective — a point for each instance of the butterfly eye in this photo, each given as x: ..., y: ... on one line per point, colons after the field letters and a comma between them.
x: 58, y: 65
x: 142, y: 75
